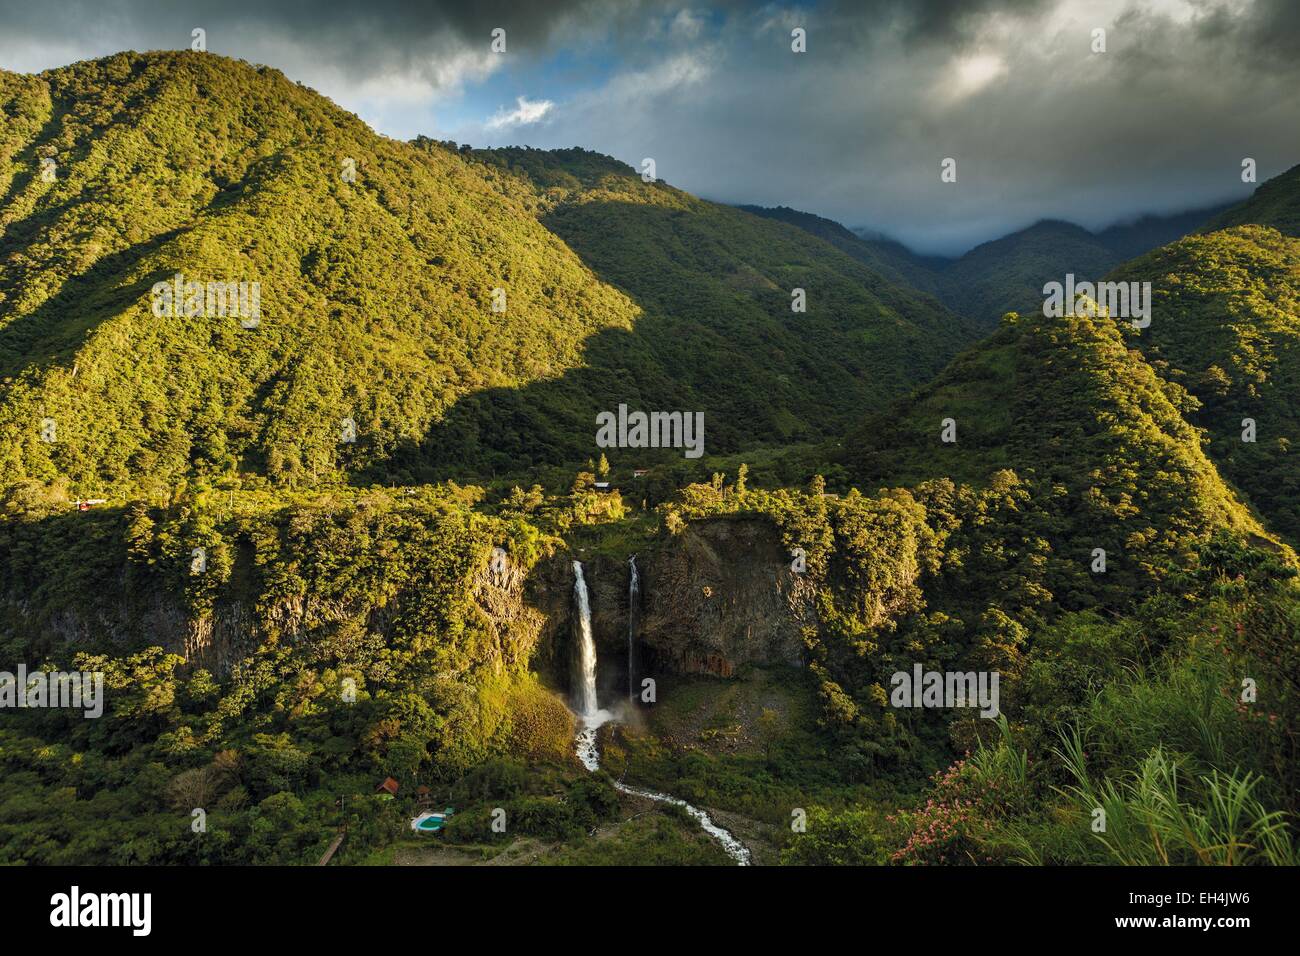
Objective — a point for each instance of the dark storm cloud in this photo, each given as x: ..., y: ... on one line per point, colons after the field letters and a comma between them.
x: 365, y: 38
x: 398, y: 23
x: 925, y: 21
x: 1273, y: 27
x: 360, y: 38
x: 1040, y: 125
x: 854, y: 129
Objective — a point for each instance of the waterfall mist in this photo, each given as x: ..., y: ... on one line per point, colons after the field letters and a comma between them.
x: 584, y: 658
x: 591, y: 716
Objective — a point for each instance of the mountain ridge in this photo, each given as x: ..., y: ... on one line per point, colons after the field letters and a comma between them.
x: 378, y: 295
x: 1006, y: 273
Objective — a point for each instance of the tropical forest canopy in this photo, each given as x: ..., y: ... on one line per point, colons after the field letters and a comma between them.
x: 437, y: 328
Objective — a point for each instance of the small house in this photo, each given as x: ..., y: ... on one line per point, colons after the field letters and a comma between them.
x: 389, y: 786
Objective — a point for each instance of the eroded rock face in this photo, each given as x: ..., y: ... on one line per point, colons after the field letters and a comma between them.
x: 714, y: 599
x: 720, y: 596
x: 509, y: 629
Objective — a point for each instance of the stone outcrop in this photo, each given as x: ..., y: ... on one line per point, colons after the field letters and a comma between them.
x: 716, y: 598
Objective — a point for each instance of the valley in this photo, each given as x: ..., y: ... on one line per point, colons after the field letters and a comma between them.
x: 398, y: 546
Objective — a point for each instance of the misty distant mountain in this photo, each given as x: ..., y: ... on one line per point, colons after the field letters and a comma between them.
x: 1005, y: 274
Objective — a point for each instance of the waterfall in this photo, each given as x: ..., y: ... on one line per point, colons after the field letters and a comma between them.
x: 633, y: 610
x: 584, y: 684
x: 591, y: 718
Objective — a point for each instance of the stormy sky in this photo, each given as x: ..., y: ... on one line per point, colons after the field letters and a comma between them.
x: 855, y: 128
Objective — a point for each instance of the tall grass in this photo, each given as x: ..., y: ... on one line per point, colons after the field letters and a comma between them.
x: 1003, y: 761
x: 1161, y: 815
x: 1162, y: 768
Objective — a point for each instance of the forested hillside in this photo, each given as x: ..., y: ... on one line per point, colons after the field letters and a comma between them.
x: 378, y: 299
x: 1103, y: 532
x: 1006, y: 274
x: 1226, y: 326
x: 1275, y: 203
x: 890, y: 259
x: 342, y: 540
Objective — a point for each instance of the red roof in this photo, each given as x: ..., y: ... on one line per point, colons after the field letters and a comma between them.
x: 390, y: 785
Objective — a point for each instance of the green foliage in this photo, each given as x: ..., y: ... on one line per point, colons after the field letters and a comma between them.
x: 1155, y: 761
x: 1149, y: 822
x: 502, y: 800
x: 390, y: 593
x: 377, y: 295
x: 1226, y: 326
x: 844, y: 838
x: 656, y: 839
x: 279, y: 632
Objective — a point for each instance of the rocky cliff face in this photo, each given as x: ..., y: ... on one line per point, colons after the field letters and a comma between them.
x: 234, y: 629
x: 721, y: 596
x: 716, y: 598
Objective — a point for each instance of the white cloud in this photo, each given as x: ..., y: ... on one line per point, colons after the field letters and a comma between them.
x: 686, y: 25
x: 525, y: 114
x: 668, y: 75
x: 967, y: 75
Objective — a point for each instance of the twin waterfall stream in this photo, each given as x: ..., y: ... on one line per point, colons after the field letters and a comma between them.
x: 590, y: 717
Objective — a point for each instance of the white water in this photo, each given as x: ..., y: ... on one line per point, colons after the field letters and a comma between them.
x: 585, y: 688
x: 590, y: 719
x: 633, y: 605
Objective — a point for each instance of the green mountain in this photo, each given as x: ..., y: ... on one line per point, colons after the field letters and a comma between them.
x: 280, y: 629
x: 1275, y: 203
x: 377, y: 300
x: 1149, y: 232
x: 1068, y: 403
x: 1224, y: 331
x: 1006, y: 274
x: 1226, y: 326
x: 891, y: 259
